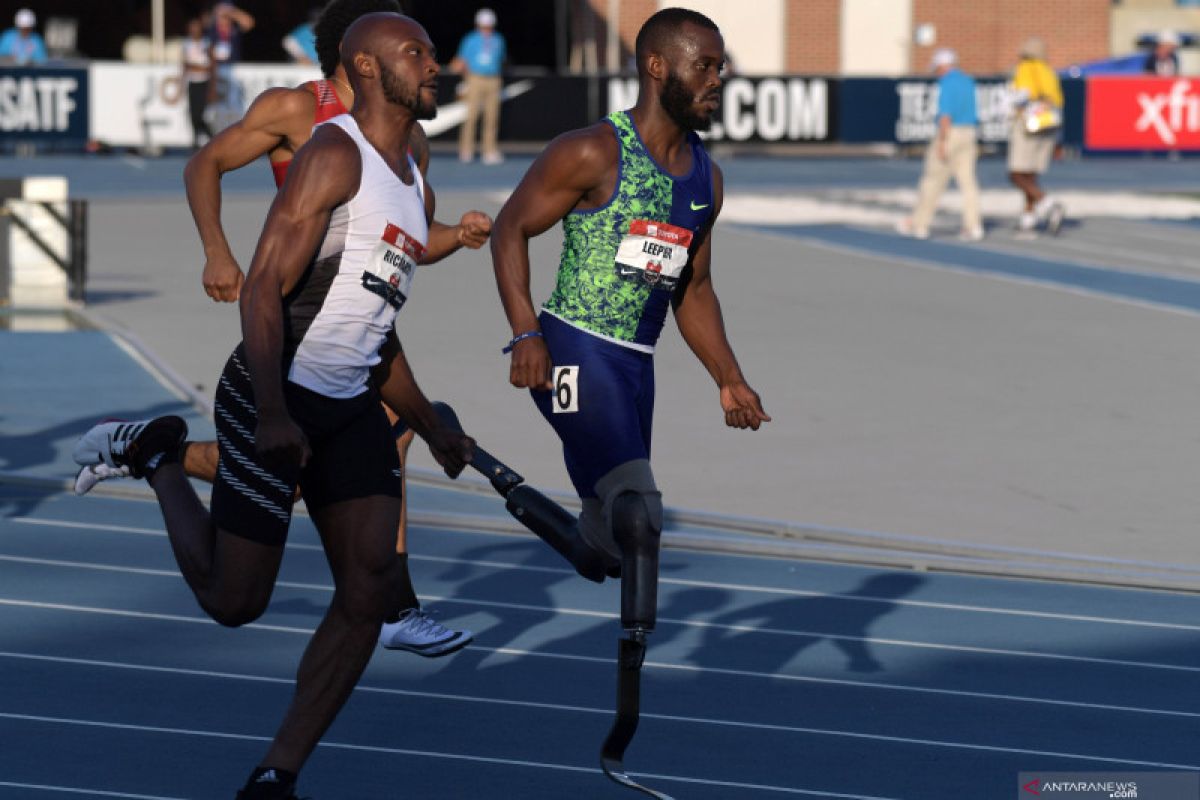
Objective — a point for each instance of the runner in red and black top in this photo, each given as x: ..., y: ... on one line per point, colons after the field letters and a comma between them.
x: 276, y: 125
x: 329, y: 105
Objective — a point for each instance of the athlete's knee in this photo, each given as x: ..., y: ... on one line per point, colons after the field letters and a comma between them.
x: 367, y: 591
x: 634, y: 512
x: 234, y: 612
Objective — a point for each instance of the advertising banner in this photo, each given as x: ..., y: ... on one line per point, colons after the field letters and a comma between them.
x: 1128, y: 113
x: 787, y: 109
x: 904, y: 111
x: 43, y: 103
x: 533, y: 108
x: 143, y: 105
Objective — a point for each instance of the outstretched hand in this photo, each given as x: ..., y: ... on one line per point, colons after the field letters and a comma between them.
x: 474, y: 229
x: 452, y: 449
x: 222, y: 279
x: 743, y: 408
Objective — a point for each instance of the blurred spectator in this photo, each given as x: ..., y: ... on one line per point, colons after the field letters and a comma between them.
x: 479, y: 60
x: 1163, y: 60
x: 953, y: 152
x: 1038, y: 101
x: 197, y: 74
x: 225, y: 49
x: 301, y: 43
x: 21, y: 45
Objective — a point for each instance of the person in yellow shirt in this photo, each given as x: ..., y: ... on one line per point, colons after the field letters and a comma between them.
x: 1038, y: 103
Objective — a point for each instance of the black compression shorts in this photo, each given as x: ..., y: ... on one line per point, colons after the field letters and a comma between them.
x: 353, y: 455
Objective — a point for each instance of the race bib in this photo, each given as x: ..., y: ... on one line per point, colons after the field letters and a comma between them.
x: 654, y: 252
x: 565, y: 395
x: 390, y: 266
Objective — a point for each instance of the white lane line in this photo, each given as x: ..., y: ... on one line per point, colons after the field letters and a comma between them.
x: 89, y: 792
x: 735, y: 587
x: 397, y: 751
x: 763, y: 726
x: 660, y: 665
x: 687, y: 623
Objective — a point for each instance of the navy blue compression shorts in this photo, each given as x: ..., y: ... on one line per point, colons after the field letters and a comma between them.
x: 613, y: 398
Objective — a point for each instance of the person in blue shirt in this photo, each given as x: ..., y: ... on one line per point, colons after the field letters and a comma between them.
x: 301, y: 42
x: 479, y: 60
x: 952, y: 153
x: 22, y: 45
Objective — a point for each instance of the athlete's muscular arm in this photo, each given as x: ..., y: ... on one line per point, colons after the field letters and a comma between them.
x: 400, y: 392
x: 324, y: 173
x: 270, y: 121
x: 577, y: 167
x: 698, y: 313
x: 473, y: 228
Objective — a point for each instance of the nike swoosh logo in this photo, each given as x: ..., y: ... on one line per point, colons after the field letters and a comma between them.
x: 698, y: 208
x: 454, y: 114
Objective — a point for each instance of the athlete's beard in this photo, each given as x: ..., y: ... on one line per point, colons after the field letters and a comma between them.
x: 394, y: 92
x: 679, y: 104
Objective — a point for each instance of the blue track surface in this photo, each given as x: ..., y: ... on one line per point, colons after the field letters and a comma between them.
x: 766, y: 678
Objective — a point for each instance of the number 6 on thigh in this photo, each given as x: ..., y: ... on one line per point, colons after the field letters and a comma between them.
x: 565, y: 398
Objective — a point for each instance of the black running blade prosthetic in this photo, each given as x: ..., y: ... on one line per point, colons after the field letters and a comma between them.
x: 630, y: 655
x: 552, y: 523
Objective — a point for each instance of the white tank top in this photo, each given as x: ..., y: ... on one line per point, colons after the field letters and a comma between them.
x: 336, y: 318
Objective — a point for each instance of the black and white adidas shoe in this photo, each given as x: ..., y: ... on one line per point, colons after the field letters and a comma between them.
x: 129, y: 444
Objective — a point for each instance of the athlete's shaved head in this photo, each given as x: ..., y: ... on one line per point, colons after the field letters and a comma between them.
x: 335, y: 18
x: 664, y: 30
x: 372, y: 53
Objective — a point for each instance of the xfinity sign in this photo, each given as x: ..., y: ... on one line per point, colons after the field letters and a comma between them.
x: 1142, y: 113
x: 756, y: 109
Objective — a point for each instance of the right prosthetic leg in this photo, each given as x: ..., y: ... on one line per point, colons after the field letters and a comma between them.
x: 633, y: 509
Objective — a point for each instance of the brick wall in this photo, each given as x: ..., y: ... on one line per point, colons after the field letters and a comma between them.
x: 813, y: 32
x: 988, y: 33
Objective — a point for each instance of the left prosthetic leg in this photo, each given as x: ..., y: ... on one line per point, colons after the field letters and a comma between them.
x: 552, y: 523
x: 634, y: 511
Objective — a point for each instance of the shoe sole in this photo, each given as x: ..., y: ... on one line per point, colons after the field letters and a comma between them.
x: 433, y: 650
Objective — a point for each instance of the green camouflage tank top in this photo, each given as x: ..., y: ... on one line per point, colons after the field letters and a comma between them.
x: 621, y: 262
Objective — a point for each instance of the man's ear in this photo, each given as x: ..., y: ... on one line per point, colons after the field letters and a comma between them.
x: 656, y: 67
x: 365, y: 64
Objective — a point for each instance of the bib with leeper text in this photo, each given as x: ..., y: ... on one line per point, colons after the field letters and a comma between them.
x: 389, y: 269
x: 654, y: 252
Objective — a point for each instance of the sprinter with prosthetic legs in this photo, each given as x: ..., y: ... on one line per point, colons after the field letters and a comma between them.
x: 637, y: 196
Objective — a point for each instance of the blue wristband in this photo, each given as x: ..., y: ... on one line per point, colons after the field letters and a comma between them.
x: 526, y: 335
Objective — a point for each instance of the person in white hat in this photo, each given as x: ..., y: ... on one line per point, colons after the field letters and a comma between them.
x: 952, y: 152
x: 1164, y: 61
x: 21, y: 44
x: 479, y: 60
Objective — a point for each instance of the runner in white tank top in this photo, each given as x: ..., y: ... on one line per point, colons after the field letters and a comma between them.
x: 347, y: 302
x: 299, y: 400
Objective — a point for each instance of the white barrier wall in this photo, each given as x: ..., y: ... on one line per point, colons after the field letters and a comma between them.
x: 35, y: 280
x: 144, y: 105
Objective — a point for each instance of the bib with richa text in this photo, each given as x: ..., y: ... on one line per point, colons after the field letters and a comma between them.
x: 389, y: 269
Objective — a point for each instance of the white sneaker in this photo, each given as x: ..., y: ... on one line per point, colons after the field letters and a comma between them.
x: 417, y: 632
x: 905, y: 228
x: 1054, y: 218
x: 492, y: 159
x: 971, y: 235
x: 92, y: 474
x: 129, y: 444
x: 1027, y: 221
